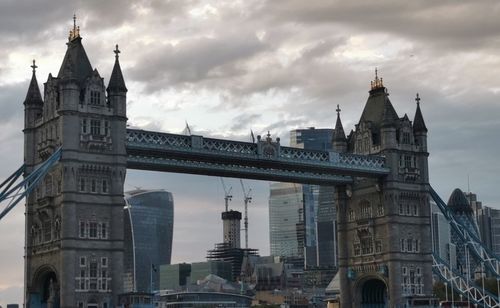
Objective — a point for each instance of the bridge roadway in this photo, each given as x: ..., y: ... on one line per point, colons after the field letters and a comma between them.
x: 263, y: 160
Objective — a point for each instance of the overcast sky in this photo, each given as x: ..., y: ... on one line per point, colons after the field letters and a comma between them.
x: 229, y: 66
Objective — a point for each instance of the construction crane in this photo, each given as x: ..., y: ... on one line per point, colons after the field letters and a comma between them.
x: 247, y: 200
x: 227, y: 194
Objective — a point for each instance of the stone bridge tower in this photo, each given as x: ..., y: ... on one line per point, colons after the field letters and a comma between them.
x: 384, y: 225
x: 74, y: 220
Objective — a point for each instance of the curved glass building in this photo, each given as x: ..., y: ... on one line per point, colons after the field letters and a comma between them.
x: 148, y: 226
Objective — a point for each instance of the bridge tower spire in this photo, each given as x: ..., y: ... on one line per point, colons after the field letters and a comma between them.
x: 339, y: 139
x: 74, y: 221
x: 383, y: 224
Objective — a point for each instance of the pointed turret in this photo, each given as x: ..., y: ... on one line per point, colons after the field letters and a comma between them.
x: 339, y: 139
x: 33, y: 97
x: 418, y: 121
x: 76, y: 65
x: 378, y: 108
x: 116, y: 81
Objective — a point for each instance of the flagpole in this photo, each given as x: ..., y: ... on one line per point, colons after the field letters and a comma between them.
x: 151, y: 277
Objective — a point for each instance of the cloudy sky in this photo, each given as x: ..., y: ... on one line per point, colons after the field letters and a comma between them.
x: 228, y: 66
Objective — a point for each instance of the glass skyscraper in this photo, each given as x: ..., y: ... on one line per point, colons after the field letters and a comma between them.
x: 302, y: 218
x: 148, y: 226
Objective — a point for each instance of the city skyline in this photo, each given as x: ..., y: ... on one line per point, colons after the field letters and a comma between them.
x: 301, y: 89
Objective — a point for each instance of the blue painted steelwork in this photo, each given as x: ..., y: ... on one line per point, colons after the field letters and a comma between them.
x: 469, y: 238
x: 476, y: 251
x: 266, y: 159
x: 464, y: 286
x: 16, y: 192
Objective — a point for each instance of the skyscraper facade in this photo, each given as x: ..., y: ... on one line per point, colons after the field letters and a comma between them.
x: 311, y: 234
x: 148, y: 225
x: 286, y: 220
x: 231, y: 221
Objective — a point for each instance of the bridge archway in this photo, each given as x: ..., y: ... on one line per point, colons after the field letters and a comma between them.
x: 45, y: 289
x: 372, y: 293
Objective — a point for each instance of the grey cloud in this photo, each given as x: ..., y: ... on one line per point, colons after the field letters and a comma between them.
x: 244, y: 121
x: 454, y: 23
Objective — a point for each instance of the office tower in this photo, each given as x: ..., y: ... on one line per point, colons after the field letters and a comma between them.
x: 315, y: 226
x: 174, y: 276
x: 441, y: 237
x: 148, y: 223
x: 286, y: 220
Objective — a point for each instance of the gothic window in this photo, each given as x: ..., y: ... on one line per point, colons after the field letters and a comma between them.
x: 95, y: 97
x: 407, y: 209
x: 408, y: 161
x: 406, y: 138
x: 95, y: 127
x: 415, y: 210
x: 403, y: 245
x: 106, y: 128
x: 93, y: 229
x: 401, y: 210
x: 104, y: 230
x: 409, y: 245
x: 83, y: 262
x: 84, y: 126
x: 380, y: 210
x: 93, y: 269
x: 351, y: 215
x: 59, y: 186
x: 47, y: 229
x: 104, y: 186
x: 57, y: 229
x: 366, y: 245
x: 104, y: 262
x: 93, y: 275
x: 82, y: 184
x: 365, y: 210
x: 93, y: 187
x: 82, y: 229
x: 357, y: 249
x: 378, y: 246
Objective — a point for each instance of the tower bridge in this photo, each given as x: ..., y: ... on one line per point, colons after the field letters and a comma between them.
x: 77, y: 149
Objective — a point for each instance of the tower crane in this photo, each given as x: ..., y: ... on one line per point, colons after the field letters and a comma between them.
x: 227, y: 194
x: 247, y: 199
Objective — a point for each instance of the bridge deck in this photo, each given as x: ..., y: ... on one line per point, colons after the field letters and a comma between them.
x: 264, y: 160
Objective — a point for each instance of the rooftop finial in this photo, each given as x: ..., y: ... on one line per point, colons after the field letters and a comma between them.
x: 116, y: 51
x: 417, y: 99
x: 338, y: 109
x: 378, y: 82
x: 75, y: 32
x: 34, y: 67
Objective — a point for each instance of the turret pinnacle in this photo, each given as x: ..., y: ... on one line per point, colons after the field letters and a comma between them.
x: 339, y: 134
x: 76, y: 64
x: 33, y: 97
x: 418, y: 121
x: 116, y: 81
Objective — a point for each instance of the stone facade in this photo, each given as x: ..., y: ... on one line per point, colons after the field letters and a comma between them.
x: 384, y: 225
x: 74, y: 220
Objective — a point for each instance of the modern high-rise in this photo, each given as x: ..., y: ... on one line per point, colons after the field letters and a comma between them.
x: 286, y: 220
x: 148, y: 224
x: 312, y: 207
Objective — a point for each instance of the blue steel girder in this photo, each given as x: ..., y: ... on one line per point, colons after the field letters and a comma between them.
x: 264, y: 160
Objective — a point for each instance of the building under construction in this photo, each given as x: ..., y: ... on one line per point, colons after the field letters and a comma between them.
x: 226, y: 252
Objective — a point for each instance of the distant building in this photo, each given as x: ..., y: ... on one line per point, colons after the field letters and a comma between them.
x: 174, y: 276
x: 234, y: 256
x: 200, y: 270
x: 12, y: 306
x: 441, y: 237
x: 204, y: 299
x: 148, y: 223
x: 302, y: 218
x: 286, y: 220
